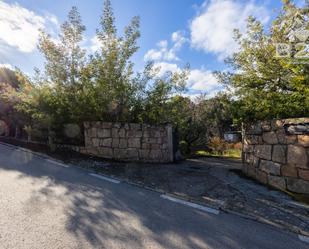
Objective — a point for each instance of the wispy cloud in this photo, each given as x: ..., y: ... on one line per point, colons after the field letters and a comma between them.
x: 212, y: 28
x: 199, y: 80
x: 19, y: 27
x: 163, y: 52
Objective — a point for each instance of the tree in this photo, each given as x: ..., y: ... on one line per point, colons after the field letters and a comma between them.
x: 266, y: 85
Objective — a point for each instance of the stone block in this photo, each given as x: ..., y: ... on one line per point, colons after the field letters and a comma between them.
x: 252, y: 139
x: 134, y: 143
x: 284, y: 138
x: 106, y: 142
x: 155, y: 154
x: 107, y: 125
x: 115, y: 143
x: 261, y: 176
x: 270, y: 137
x: 248, y: 148
x: 104, y: 133
x: 146, y: 134
x: 298, y: 185
x: 106, y: 152
x: 297, y: 155
x: 297, y: 129
x: 266, y: 126
x: 254, y: 129
x: 288, y: 170
x: 144, y: 154
x: 277, y: 182
x: 146, y: 146
x: 276, y: 124
x: 135, y: 127
x: 122, y: 133
x: 270, y: 167
x: 132, y: 154
x: 95, y: 142
x: 155, y: 146
x: 304, y: 174
x: 86, y: 125
x: 93, y: 132
x: 115, y: 132
x: 303, y: 140
x: 251, y: 171
x: 279, y: 153
x: 120, y: 154
x: 123, y: 143
x: 117, y: 125
x: 263, y: 151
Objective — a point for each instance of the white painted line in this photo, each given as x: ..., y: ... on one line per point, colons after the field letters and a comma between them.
x: 304, y: 238
x: 57, y: 163
x: 105, y: 178
x: 190, y: 204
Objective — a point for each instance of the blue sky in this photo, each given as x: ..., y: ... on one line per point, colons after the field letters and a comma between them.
x: 174, y: 32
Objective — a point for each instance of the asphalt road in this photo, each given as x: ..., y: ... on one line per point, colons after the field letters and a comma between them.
x: 45, y: 205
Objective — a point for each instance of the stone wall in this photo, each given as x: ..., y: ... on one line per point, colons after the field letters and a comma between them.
x: 277, y: 153
x: 128, y: 142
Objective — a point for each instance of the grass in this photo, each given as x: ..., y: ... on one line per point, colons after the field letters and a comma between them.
x: 232, y: 153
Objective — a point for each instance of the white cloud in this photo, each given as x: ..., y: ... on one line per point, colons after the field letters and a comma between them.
x: 19, y: 27
x: 166, y: 67
x: 6, y: 65
x: 95, y: 44
x: 212, y: 29
x: 162, y: 52
x: 199, y: 80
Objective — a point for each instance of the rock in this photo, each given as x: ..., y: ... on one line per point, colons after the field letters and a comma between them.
x: 277, y: 124
x: 254, y: 129
x: 297, y: 155
x: 115, y: 143
x: 132, y: 154
x: 106, y: 152
x: 122, y: 133
x: 104, y: 133
x: 95, y: 142
x: 261, y: 177
x: 135, y: 126
x: 279, y: 153
x: 248, y: 148
x: 270, y: 137
x: 304, y: 174
x: 144, y: 154
x: 277, y: 182
x: 155, y: 154
x: 266, y: 126
x: 263, y: 151
x: 107, y: 125
x: 123, y: 143
x: 303, y: 140
x: 270, y: 167
x: 284, y: 138
x: 115, y: 132
x: 289, y: 170
x: 134, y: 143
x: 107, y: 142
x: 120, y: 154
x: 298, y: 185
x: 252, y: 139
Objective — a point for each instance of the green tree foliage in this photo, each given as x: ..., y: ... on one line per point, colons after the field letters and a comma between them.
x: 103, y: 86
x: 268, y: 86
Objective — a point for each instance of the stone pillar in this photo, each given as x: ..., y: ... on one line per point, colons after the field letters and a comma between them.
x: 169, y: 130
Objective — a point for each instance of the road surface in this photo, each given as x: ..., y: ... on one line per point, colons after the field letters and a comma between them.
x: 46, y: 205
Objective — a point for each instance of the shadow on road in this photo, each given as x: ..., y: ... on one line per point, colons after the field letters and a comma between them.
x: 104, y: 215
